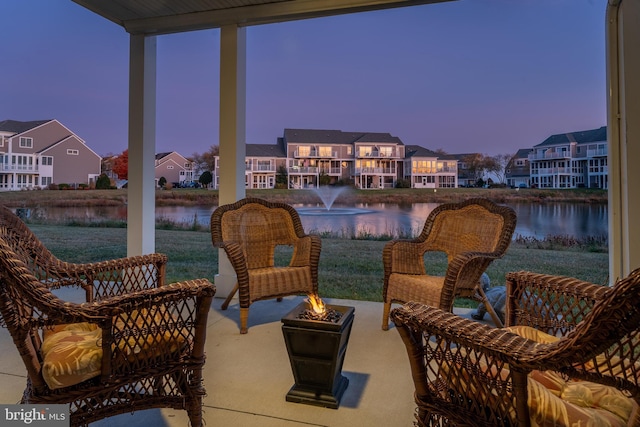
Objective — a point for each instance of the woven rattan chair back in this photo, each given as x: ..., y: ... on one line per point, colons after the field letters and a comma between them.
x: 149, y: 337
x: 249, y: 231
x: 472, y: 234
x: 38, y: 259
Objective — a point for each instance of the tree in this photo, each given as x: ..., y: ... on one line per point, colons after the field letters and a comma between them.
x: 205, y: 178
x: 205, y: 161
x: 474, y: 166
x: 499, y: 166
x: 121, y: 165
x: 162, y: 181
x: 103, y: 182
x: 282, y: 177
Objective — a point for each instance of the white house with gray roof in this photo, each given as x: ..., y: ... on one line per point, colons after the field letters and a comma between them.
x: 427, y: 169
x: 571, y: 160
x: 36, y: 154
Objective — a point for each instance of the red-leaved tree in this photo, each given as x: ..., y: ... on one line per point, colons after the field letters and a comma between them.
x: 121, y: 165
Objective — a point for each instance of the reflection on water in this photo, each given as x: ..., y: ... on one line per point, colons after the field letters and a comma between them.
x: 534, y: 220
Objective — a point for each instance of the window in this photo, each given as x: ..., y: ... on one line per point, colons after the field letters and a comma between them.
x: 325, y: 151
x: 386, y: 151
x: 304, y: 151
x: 45, y: 180
x: 72, y: 152
x: 169, y: 166
x: 26, y: 142
x: 46, y: 160
x: 2, y: 140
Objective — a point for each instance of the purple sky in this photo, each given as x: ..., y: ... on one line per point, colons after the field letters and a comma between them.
x: 488, y: 76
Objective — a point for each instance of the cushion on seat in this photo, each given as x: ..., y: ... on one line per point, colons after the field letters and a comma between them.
x: 72, y: 353
x: 555, y: 401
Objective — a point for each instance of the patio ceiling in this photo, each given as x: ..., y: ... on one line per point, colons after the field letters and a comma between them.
x: 152, y: 17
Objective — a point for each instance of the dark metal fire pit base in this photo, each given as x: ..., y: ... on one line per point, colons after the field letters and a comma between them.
x: 313, y: 397
x: 316, y: 351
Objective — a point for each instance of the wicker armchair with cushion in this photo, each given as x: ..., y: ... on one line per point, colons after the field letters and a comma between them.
x: 120, y: 341
x: 472, y: 234
x: 250, y: 231
x: 570, y: 356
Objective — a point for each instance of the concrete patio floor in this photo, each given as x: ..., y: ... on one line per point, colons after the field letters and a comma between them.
x: 248, y: 376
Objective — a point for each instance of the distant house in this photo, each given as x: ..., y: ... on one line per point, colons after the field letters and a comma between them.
x: 174, y: 168
x: 38, y: 153
x: 571, y: 160
x: 369, y: 159
x: 517, y: 172
x: 427, y: 169
x: 262, y: 162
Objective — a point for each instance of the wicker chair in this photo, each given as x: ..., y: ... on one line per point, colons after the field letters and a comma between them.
x: 249, y: 231
x: 472, y: 234
x: 570, y: 356
x: 135, y: 342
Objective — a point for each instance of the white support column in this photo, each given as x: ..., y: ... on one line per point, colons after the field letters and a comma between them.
x: 623, y: 132
x: 142, y: 140
x: 233, y: 82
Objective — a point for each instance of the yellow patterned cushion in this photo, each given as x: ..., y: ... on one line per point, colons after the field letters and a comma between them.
x: 72, y: 353
x: 553, y: 401
x: 145, y: 346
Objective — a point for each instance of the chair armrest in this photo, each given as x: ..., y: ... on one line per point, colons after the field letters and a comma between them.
x: 552, y: 304
x: 404, y: 256
x: 307, y: 251
x: 463, y: 274
x: 237, y: 259
x: 149, y: 327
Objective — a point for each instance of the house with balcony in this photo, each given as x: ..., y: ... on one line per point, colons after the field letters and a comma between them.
x: 379, y: 158
x: 571, y: 160
x: 174, y: 167
x: 36, y: 154
x: 311, y: 153
x: 427, y: 169
x: 517, y: 173
x: 262, y: 163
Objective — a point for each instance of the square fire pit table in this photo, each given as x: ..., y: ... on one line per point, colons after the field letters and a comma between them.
x: 316, y: 351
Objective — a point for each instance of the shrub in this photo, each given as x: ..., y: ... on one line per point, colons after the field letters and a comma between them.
x: 403, y: 183
x: 103, y: 182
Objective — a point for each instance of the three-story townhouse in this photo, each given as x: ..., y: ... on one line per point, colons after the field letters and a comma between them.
x: 571, y: 160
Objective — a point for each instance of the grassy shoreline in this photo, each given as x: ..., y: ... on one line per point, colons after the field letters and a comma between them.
x: 187, y: 197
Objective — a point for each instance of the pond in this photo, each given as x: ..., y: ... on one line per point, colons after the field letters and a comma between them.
x: 534, y: 219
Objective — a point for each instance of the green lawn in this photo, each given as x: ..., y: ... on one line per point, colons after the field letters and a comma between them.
x: 349, y: 269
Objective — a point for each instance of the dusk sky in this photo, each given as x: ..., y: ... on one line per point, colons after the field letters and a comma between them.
x: 489, y: 76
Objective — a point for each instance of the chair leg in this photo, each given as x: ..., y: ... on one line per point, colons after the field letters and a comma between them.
x: 489, y: 307
x: 385, y: 316
x: 244, y: 316
x: 226, y: 302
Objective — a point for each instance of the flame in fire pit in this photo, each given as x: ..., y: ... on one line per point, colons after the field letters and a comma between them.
x: 316, y: 304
